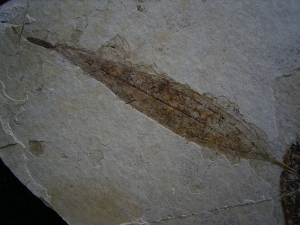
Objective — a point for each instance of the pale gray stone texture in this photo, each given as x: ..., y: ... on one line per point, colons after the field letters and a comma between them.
x: 104, y: 162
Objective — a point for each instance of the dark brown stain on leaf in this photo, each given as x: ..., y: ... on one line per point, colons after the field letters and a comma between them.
x: 175, y: 106
x: 290, y: 186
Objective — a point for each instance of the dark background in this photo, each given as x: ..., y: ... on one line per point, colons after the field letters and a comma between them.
x: 18, y: 206
x: 3, y: 1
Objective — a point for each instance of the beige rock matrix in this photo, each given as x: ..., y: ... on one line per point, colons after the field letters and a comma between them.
x: 148, y: 112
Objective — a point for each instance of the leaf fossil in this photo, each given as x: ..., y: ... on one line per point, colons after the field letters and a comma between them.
x: 175, y: 106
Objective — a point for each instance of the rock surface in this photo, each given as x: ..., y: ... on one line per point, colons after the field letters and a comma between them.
x: 96, y: 160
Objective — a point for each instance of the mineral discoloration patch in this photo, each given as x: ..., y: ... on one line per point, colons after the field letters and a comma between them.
x: 289, y: 186
x: 109, y: 205
x: 36, y: 147
x: 177, y: 107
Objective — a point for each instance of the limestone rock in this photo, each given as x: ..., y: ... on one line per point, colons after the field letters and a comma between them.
x: 96, y: 160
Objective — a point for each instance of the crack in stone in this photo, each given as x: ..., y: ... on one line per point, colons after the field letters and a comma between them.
x: 24, y: 21
x: 48, y: 197
x: 4, y: 120
x: 7, y: 145
x: 183, y: 216
x: 246, y: 203
x: 140, y: 221
x: 7, y: 129
x: 18, y: 53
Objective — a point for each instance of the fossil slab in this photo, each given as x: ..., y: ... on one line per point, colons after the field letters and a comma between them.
x: 149, y: 112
